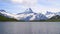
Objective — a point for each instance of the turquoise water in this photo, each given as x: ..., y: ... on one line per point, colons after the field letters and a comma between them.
x: 29, y: 27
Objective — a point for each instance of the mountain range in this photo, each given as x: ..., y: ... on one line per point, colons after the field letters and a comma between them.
x: 29, y: 15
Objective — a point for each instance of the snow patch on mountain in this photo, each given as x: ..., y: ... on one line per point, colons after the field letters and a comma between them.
x: 49, y: 14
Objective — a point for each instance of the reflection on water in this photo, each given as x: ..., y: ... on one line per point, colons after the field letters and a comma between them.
x: 29, y: 27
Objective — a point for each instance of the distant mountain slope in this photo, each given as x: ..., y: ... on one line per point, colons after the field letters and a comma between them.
x: 55, y: 18
x: 58, y: 13
x: 40, y: 17
x: 4, y: 16
x: 49, y: 14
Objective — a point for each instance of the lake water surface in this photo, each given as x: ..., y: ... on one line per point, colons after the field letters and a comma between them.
x: 29, y: 27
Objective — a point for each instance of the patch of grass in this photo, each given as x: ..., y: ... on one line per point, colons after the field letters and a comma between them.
x: 2, y: 18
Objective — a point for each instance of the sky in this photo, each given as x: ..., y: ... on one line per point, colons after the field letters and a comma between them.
x: 38, y: 6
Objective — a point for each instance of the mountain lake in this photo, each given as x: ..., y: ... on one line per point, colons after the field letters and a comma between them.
x: 29, y: 27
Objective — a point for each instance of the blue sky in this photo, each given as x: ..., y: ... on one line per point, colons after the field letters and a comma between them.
x: 18, y: 6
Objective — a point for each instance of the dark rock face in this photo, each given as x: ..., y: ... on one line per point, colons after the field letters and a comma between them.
x: 47, y: 13
x: 40, y: 17
x: 55, y: 17
x: 2, y: 11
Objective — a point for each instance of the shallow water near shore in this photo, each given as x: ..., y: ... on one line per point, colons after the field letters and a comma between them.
x: 29, y: 27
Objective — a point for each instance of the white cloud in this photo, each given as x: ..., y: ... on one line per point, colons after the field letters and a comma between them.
x: 54, y: 9
x: 25, y: 2
x: 17, y: 1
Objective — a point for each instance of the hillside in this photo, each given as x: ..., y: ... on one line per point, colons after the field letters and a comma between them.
x: 2, y: 18
x: 55, y: 18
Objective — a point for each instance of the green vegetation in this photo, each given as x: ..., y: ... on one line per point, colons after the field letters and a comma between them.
x: 49, y: 20
x: 2, y: 18
x: 53, y: 20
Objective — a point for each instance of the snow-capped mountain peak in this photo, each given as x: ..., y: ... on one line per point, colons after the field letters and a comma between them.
x: 47, y: 13
x: 2, y: 11
x: 28, y: 10
x: 6, y: 14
